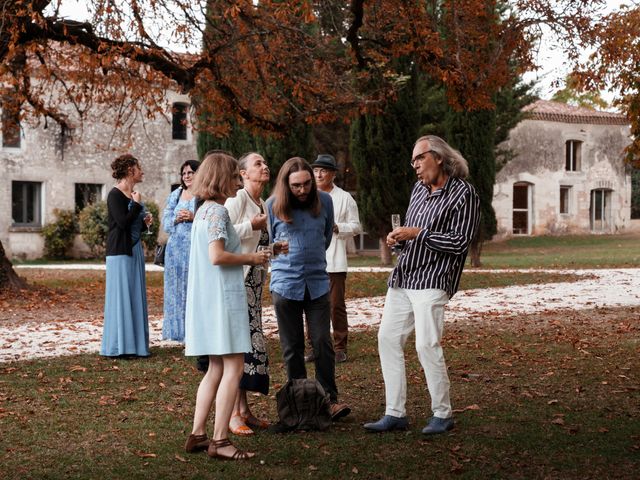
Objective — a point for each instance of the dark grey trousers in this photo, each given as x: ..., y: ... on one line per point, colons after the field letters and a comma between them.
x: 291, y: 331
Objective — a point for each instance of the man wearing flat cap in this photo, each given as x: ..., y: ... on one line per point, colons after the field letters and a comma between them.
x: 346, y: 225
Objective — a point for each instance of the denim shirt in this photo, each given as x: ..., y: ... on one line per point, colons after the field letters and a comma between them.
x: 305, y: 266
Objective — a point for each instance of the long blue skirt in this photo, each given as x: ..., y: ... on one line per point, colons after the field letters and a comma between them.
x: 126, y: 323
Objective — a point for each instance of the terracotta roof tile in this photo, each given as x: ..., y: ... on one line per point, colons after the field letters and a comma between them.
x: 561, y: 112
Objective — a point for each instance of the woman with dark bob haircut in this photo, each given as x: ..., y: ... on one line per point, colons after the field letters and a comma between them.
x: 177, y: 220
x: 217, y: 319
x: 126, y: 324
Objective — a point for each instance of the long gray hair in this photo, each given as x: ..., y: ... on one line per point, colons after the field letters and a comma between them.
x: 453, y: 163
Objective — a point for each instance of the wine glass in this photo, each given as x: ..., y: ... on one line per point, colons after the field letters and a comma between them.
x: 263, y: 248
x: 395, y: 223
x: 282, y: 239
x: 147, y: 215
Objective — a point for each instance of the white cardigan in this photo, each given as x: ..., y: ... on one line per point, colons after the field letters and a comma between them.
x: 345, y: 213
x: 242, y: 209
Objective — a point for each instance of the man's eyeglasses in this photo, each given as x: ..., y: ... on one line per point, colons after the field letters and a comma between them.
x: 420, y: 157
x: 300, y: 186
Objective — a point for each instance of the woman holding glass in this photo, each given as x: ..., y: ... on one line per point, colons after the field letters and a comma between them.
x: 126, y: 323
x: 177, y: 220
x: 216, y: 319
x: 247, y: 213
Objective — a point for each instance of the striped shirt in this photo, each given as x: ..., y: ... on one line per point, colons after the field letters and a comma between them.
x: 449, y: 219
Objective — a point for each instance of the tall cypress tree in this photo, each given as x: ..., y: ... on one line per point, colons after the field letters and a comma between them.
x: 381, y: 147
x: 473, y: 133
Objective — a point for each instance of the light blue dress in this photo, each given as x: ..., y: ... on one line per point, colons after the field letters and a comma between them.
x: 176, y: 266
x: 216, y: 318
x: 126, y: 323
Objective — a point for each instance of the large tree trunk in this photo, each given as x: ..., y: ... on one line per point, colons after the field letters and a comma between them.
x: 385, y: 252
x: 475, y: 250
x: 8, y: 277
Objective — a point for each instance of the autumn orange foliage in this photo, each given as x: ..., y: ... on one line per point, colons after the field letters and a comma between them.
x: 272, y: 62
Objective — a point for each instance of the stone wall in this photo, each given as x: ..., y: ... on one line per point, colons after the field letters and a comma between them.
x: 539, y: 148
x: 85, y: 158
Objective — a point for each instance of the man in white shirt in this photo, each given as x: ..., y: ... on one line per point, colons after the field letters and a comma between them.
x: 346, y: 225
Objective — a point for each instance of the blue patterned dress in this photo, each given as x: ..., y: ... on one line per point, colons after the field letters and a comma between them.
x: 176, y: 266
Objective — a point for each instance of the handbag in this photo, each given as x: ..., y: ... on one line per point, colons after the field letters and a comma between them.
x: 158, y: 258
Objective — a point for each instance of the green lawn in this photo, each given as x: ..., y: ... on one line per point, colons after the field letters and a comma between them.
x: 570, y: 251
x: 538, y: 397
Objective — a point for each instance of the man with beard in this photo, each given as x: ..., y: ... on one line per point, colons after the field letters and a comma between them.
x: 299, y: 278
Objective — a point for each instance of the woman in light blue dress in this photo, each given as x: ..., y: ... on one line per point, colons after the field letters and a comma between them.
x: 126, y: 324
x: 177, y: 220
x: 216, y: 318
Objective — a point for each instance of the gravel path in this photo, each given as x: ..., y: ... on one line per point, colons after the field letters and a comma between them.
x: 611, y: 288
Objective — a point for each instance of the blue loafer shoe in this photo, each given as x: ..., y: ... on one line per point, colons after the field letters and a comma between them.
x: 438, y: 425
x: 387, y: 424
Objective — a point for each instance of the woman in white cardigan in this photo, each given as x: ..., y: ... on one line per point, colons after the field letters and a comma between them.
x: 248, y: 215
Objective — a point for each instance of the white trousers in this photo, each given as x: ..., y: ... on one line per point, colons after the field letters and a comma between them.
x: 403, y: 311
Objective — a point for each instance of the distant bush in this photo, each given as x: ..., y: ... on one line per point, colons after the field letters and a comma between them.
x: 58, y: 235
x: 94, y: 225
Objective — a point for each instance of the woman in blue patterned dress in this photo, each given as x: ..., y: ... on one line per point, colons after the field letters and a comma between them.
x: 126, y: 324
x: 216, y: 318
x: 177, y: 221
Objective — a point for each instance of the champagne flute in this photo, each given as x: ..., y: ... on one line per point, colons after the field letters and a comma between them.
x: 395, y: 223
x: 395, y: 220
x: 263, y: 248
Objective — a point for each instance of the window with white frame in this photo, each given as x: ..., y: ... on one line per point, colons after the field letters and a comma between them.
x: 572, y: 155
x: 565, y: 199
x: 26, y: 207
x: 10, y: 128
x: 86, y: 194
x: 179, y: 121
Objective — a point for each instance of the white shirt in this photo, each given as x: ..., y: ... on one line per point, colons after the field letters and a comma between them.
x: 242, y: 209
x: 345, y: 214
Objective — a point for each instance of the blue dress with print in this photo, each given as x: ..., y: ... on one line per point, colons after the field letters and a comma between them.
x: 217, y: 318
x: 176, y: 266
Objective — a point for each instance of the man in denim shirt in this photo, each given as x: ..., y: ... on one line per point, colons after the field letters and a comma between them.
x: 299, y: 278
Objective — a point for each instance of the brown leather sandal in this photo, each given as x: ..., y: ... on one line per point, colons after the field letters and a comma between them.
x: 237, y: 455
x: 196, y: 443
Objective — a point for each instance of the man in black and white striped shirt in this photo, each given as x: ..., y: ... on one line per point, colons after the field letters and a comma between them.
x: 441, y: 221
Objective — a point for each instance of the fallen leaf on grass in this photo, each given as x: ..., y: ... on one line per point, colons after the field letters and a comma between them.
x: 354, y: 470
x: 145, y: 455
x: 78, y: 368
x: 469, y: 407
x: 558, y: 421
x: 180, y: 459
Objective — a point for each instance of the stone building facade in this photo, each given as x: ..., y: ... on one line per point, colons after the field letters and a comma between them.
x: 41, y: 169
x: 567, y: 175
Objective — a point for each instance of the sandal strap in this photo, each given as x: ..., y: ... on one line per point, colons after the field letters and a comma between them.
x: 240, y: 455
x: 223, y: 442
